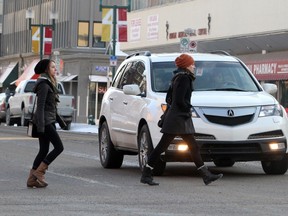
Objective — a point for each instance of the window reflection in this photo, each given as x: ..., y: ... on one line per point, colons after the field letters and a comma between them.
x: 83, y: 34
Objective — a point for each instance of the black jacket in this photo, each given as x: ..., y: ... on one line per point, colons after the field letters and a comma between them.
x: 178, y: 118
x: 46, y: 109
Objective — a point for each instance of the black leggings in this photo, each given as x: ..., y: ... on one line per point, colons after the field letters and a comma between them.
x: 52, y: 136
x: 165, y: 141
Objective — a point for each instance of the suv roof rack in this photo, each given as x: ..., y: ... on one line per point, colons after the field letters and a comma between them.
x: 223, y: 52
x: 144, y: 53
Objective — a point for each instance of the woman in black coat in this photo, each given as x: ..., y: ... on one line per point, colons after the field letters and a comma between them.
x: 178, y: 121
x: 45, y: 118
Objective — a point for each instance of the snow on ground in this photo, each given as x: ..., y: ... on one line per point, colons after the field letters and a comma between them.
x: 82, y: 127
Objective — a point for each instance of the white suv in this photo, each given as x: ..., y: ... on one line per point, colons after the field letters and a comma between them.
x: 235, y: 118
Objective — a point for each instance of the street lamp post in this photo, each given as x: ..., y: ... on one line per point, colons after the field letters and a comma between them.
x: 114, y: 22
x: 30, y: 16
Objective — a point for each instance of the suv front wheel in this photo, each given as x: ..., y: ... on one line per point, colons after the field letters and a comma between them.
x: 145, y: 147
x: 109, y: 156
x: 278, y: 167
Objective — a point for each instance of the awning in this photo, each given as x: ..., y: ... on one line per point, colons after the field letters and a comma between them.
x: 28, y: 73
x: 66, y: 78
x: 97, y: 78
x: 10, y: 74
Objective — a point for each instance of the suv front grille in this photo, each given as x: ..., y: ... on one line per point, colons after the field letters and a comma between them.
x: 230, y: 121
x: 230, y: 148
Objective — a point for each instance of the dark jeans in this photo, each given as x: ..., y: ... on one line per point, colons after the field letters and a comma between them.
x: 52, y: 136
x: 165, y: 142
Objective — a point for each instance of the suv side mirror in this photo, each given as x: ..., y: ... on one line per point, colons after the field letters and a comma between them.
x: 270, y: 88
x: 131, y: 89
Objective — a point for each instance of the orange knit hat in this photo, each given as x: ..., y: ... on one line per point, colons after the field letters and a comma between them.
x: 184, y: 61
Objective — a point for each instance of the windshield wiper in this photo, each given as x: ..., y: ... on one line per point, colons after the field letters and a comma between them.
x: 228, y: 89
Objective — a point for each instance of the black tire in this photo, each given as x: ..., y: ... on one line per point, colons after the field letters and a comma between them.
x: 109, y: 157
x: 145, y: 147
x: 23, y: 121
x: 224, y: 162
x: 278, y: 167
x: 8, y: 117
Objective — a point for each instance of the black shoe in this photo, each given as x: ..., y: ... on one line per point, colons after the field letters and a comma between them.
x: 209, y: 177
x: 146, y: 177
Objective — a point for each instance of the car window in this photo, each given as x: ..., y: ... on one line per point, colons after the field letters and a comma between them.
x: 161, y: 75
x: 223, y: 76
x: 118, y: 76
x: 210, y: 76
x: 133, y: 73
x: 29, y: 87
x: 59, y: 88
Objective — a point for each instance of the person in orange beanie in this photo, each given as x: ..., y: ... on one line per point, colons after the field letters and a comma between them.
x: 178, y: 121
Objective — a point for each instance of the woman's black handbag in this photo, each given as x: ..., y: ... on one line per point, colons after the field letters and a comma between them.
x: 32, y: 128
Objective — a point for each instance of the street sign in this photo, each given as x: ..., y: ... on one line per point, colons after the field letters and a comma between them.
x: 113, y: 61
x: 184, y: 44
x: 193, y: 46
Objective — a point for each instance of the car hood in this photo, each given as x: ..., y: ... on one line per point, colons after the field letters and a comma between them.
x: 231, y: 99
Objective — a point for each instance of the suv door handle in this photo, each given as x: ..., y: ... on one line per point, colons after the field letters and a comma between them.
x: 125, y: 102
x: 110, y: 98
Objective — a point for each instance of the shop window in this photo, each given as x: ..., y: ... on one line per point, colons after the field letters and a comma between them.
x: 97, y: 32
x: 83, y: 34
x: 96, y: 93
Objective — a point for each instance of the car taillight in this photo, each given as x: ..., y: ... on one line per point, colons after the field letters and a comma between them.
x: 2, y: 106
x: 31, y: 99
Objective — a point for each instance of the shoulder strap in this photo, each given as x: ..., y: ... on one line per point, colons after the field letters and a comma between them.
x: 33, y: 106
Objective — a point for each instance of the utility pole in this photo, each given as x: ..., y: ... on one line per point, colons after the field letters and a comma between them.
x: 114, y: 22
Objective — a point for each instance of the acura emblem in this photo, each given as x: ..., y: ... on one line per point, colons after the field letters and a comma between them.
x: 230, y: 113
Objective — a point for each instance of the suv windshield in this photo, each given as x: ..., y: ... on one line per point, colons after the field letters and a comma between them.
x: 210, y: 76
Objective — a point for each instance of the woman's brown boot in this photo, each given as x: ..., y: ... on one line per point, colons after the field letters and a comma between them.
x: 32, y: 181
x: 40, y: 172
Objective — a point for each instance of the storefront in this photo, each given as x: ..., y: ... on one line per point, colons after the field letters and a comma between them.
x: 97, y: 87
x: 273, y: 71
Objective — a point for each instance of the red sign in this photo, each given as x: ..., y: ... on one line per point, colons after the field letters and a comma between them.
x: 269, y: 70
x: 122, y: 25
x: 47, y: 40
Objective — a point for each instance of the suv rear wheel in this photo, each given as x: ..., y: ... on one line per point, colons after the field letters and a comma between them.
x: 145, y: 147
x: 109, y: 156
x: 276, y: 167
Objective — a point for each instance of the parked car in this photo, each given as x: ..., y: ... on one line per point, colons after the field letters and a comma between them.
x: 235, y: 118
x: 2, y: 107
x: 20, y: 104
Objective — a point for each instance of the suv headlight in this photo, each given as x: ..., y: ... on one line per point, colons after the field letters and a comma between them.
x: 271, y: 110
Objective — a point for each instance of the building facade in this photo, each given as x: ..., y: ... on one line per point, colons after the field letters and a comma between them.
x: 255, y: 31
x: 80, y: 55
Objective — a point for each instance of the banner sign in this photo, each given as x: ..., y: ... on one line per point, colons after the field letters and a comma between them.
x: 47, y: 40
x: 107, y: 25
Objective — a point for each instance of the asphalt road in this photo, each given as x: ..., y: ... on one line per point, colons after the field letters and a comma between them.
x: 78, y: 185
